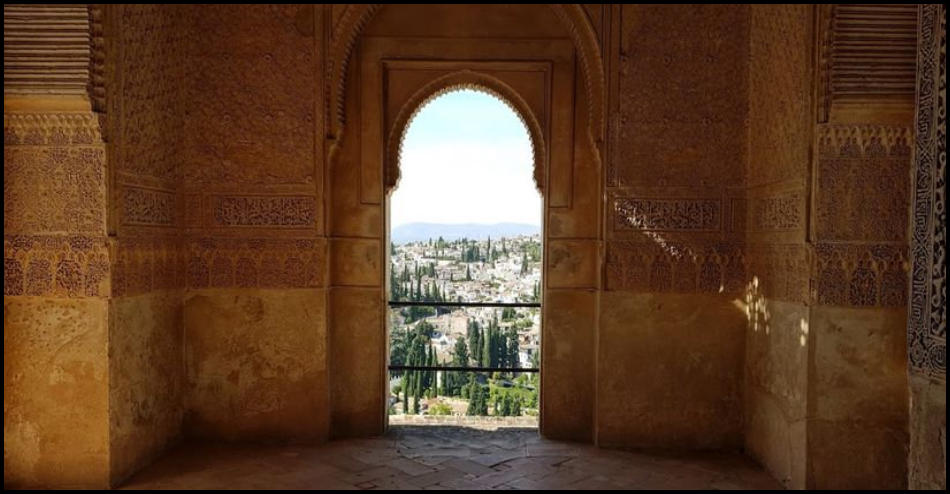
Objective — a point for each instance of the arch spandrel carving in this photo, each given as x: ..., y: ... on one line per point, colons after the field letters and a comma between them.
x: 355, y: 17
x: 463, y: 79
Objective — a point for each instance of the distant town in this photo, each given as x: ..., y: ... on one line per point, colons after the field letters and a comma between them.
x: 437, y: 270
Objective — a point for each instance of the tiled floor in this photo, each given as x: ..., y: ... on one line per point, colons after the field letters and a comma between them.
x: 426, y: 457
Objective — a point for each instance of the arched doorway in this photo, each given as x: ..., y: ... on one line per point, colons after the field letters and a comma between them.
x: 464, y: 258
x: 392, y: 63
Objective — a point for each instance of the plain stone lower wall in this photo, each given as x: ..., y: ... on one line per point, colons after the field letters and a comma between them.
x: 55, y: 392
x: 826, y: 395
x: 776, y: 387
x: 256, y: 365
x: 567, y: 381
x: 669, y: 372
x: 146, y: 374
x: 857, y: 398
x: 927, y: 459
x: 358, y: 343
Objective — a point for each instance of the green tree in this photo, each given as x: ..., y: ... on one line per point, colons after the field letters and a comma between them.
x: 460, y: 353
x: 475, y: 342
x: 405, y: 399
x: 455, y: 381
x: 478, y: 401
x: 513, y: 350
x: 505, y: 409
x: 431, y: 378
x: 487, y: 348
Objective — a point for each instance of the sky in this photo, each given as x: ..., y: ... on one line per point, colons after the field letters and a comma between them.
x: 466, y: 158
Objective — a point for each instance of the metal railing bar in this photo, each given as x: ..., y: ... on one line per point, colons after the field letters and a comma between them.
x: 461, y: 369
x: 394, y: 303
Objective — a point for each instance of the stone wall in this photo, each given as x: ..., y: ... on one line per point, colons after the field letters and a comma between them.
x: 857, y: 432
x: 671, y: 337
x: 726, y: 259
x: 251, y: 164
x: 57, y: 268
x: 826, y: 220
x: 216, y: 204
x: 857, y: 386
x: 927, y: 312
x: 142, y: 111
x: 775, y: 221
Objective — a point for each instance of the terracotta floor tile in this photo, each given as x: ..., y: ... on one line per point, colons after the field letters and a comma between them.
x: 436, y: 458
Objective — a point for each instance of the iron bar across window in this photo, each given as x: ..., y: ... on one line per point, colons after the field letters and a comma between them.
x: 394, y: 303
x: 453, y: 368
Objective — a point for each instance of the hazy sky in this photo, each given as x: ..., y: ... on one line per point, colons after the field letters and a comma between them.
x: 466, y: 158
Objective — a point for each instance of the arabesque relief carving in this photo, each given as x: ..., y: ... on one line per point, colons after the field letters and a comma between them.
x: 247, y: 119
x: 143, y: 265
x: 861, y: 275
x: 264, y: 211
x: 779, y: 212
x: 667, y: 214
x: 862, y: 182
x: 927, y: 312
x: 252, y: 115
x: 349, y: 21
x: 54, y: 173
x: 780, y: 271
x: 56, y: 266
x: 696, y: 125
x: 50, y: 129
x: 676, y: 267
x: 255, y: 262
x: 144, y: 127
x: 148, y: 207
x: 780, y: 87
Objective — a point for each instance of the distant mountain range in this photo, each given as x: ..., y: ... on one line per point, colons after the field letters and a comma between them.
x: 416, y: 232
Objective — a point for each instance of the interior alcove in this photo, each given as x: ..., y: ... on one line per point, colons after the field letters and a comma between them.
x: 530, y: 55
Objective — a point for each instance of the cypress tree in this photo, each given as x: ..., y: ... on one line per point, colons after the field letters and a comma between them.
x: 478, y: 403
x: 430, y: 361
x: 472, y: 402
x: 513, y: 360
x: 487, y: 357
x: 405, y: 395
